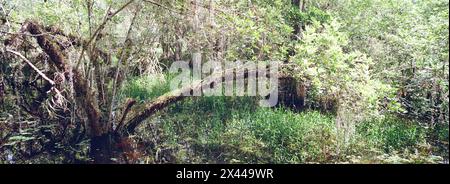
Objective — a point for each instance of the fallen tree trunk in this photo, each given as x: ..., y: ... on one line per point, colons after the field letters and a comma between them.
x: 153, y: 107
x: 167, y: 99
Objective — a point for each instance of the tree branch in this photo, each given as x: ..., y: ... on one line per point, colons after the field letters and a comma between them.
x: 32, y: 66
x: 162, y: 6
x: 116, y: 82
x: 107, y: 17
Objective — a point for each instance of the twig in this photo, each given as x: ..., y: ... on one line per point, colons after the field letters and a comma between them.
x: 60, y: 97
x: 107, y: 17
x: 162, y: 6
x: 6, y: 16
x: 25, y: 34
x: 115, y: 80
x: 32, y: 66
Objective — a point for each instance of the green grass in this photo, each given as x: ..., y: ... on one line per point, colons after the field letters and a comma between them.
x: 237, y: 131
x: 146, y: 88
x: 391, y: 133
x: 290, y: 137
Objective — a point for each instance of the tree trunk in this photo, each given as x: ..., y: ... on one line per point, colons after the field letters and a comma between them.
x: 101, y: 149
x: 292, y: 93
x: 100, y: 141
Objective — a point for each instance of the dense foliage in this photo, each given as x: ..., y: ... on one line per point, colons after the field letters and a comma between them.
x: 373, y: 75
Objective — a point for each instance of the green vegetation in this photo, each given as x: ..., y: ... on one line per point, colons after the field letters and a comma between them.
x: 84, y: 81
x: 146, y: 88
x: 232, y: 130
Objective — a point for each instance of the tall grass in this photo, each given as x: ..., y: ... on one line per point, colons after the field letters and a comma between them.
x: 146, y: 88
x: 391, y: 133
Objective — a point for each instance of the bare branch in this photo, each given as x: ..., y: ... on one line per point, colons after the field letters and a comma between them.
x: 116, y: 83
x: 32, y: 66
x: 24, y: 34
x: 162, y: 6
x: 106, y: 19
